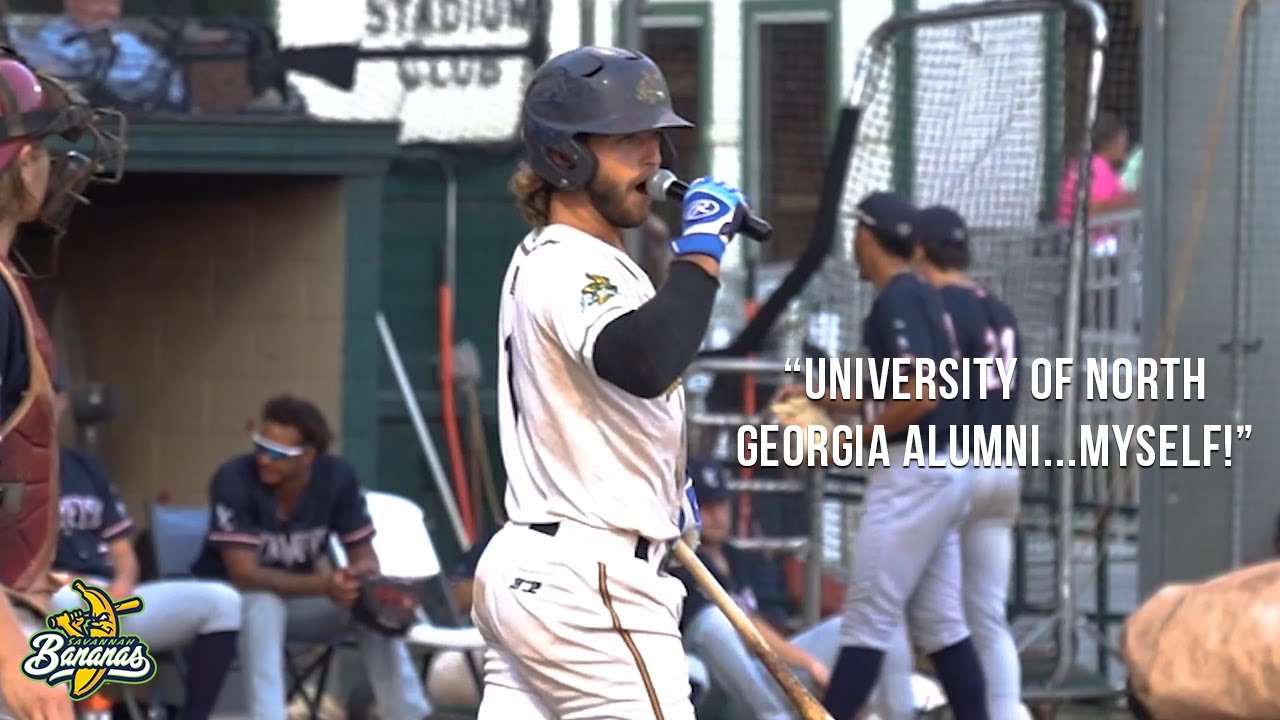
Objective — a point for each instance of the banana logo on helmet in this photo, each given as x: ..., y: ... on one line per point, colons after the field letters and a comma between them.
x: 83, y: 647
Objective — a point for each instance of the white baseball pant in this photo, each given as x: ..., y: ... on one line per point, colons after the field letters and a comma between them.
x: 906, y: 557
x: 174, y: 611
x: 578, y: 628
x: 986, y: 551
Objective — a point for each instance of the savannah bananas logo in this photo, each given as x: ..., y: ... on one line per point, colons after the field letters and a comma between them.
x: 84, y: 648
x: 598, y: 291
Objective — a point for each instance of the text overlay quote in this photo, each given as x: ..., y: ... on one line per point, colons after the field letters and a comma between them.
x: 880, y: 413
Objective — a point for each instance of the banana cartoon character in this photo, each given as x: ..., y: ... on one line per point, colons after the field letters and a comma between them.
x: 102, y: 620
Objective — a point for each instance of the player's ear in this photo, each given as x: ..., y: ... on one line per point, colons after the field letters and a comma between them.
x: 561, y: 160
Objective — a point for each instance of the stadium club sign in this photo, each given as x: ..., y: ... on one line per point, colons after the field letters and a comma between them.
x: 449, y: 22
x: 482, y: 93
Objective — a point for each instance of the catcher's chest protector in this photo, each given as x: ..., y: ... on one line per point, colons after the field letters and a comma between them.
x: 28, y: 461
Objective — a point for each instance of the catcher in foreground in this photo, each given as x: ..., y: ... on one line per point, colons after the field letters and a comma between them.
x: 38, y: 191
x: 273, y: 509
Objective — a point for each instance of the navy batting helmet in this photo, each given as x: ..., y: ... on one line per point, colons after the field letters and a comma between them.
x: 592, y: 91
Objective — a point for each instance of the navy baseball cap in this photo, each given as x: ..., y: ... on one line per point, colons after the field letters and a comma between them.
x: 939, y: 226
x: 890, y: 217
x: 710, y: 480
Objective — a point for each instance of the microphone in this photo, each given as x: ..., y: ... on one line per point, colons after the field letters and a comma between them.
x: 664, y: 185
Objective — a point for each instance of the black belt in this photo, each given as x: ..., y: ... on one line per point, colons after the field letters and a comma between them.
x: 642, y: 545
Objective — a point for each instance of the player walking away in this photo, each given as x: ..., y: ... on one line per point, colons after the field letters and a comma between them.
x: 985, y: 328
x: 273, y: 510
x: 201, y: 616
x: 38, y: 192
x: 906, y: 555
x: 579, y: 617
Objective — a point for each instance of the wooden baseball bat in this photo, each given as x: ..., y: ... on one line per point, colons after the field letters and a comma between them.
x: 797, y: 693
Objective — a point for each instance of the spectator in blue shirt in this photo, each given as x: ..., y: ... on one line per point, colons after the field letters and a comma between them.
x: 72, y: 47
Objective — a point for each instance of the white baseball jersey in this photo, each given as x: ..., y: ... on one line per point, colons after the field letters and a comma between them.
x: 576, y: 447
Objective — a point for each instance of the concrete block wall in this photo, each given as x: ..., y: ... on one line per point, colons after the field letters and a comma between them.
x: 200, y: 298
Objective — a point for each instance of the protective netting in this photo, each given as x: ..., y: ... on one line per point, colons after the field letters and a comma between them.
x: 1121, y: 90
x: 794, y: 122
x: 969, y: 114
x: 462, y: 76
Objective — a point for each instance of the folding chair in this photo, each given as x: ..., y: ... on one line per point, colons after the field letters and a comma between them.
x: 405, y: 549
x: 177, y: 536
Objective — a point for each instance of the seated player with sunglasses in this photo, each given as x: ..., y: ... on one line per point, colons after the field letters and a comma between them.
x: 273, y: 510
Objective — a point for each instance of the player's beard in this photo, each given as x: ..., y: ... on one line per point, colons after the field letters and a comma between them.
x: 616, y: 204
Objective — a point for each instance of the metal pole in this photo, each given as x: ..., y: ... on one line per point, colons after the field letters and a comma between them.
x: 586, y: 17
x: 420, y: 428
x: 1069, y: 414
x: 1239, y: 345
x: 812, y: 609
x: 630, y: 21
x: 738, y: 365
x: 450, y: 235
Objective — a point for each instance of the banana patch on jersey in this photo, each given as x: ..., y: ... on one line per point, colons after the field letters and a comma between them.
x: 598, y: 292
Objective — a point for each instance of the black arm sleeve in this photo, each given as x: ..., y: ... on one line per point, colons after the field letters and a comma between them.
x: 646, y: 350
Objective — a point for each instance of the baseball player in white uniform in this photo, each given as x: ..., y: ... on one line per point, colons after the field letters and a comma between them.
x: 579, y: 617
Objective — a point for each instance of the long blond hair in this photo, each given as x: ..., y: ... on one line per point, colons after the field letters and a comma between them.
x: 533, y: 195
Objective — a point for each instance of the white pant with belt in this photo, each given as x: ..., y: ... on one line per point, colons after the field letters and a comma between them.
x: 579, y: 628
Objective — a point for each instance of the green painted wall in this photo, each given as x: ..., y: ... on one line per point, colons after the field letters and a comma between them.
x: 413, y: 233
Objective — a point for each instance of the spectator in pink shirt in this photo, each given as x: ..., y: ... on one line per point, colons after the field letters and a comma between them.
x: 1110, y: 141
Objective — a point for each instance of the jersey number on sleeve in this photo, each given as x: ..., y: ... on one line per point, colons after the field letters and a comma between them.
x: 1000, y: 344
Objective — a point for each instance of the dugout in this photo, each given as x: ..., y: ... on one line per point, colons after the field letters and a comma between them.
x: 239, y: 257
x: 244, y: 256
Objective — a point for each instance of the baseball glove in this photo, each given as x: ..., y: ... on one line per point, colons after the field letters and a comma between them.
x: 800, y: 411
x: 388, y: 605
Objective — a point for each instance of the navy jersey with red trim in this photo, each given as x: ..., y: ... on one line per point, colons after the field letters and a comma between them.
x: 92, y: 516
x: 908, y: 320
x: 243, y: 513
x: 985, y: 328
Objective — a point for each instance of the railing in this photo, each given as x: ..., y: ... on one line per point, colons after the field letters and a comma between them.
x: 806, y: 482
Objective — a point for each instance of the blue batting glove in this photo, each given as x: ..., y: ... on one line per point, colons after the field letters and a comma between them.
x: 690, y: 521
x: 713, y: 214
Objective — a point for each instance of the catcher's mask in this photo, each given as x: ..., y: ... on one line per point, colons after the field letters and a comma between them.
x: 38, y: 107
